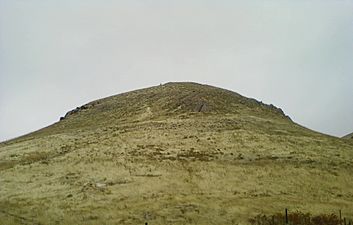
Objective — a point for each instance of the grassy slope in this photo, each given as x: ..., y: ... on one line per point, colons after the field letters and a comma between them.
x: 150, y: 156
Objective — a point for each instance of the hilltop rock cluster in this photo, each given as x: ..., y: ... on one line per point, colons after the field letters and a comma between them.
x: 79, y: 109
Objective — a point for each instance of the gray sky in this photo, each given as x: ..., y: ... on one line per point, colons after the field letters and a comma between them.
x: 56, y: 55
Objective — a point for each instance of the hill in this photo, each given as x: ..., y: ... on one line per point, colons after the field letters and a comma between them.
x: 179, y: 153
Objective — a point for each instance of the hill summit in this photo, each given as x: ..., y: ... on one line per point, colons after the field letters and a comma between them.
x: 179, y: 153
x: 173, y: 99
x: 176, y: 100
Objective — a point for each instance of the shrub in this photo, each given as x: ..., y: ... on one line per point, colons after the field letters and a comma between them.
x: 296, y: 218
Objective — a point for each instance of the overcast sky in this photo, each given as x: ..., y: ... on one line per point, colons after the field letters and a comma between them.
x: 57, y: 55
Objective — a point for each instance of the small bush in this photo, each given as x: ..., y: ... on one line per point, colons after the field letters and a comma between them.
x: 296, y: 218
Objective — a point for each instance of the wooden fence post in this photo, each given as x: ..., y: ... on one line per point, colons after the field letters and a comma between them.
x: 286, y: 216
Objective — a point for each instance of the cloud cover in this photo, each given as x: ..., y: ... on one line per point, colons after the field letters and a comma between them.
x: 56, y: 55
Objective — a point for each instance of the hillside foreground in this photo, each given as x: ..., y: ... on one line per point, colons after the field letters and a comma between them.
x: 179, y: 153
